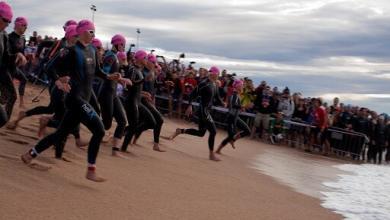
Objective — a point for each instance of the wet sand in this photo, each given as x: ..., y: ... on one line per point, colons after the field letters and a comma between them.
x: 178, y: 184
x: 302, y: 171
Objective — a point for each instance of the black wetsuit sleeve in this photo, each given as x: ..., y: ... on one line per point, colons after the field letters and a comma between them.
x: 235, y: 102
x: 99, y: 71
x: 6, y: 58
x: 62, y: 65
x: 139, y: 79
x: 51, y: 65
x: 217, y: 97
x: 195, y: 93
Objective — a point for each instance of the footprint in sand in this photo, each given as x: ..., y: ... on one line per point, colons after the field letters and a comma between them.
x: 18, y: 141
x: 9, y: 157
x: 22, y: 135
x: 39, y: 167
x: 33, y: 165
x: 3, y: 134
x: 28, y: 129
x: 46, y: 160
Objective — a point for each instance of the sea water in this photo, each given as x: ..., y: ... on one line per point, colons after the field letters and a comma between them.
x: 363, y: 194
x: 358, y: 192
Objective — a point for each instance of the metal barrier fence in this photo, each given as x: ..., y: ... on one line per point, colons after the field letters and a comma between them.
x: 343, y: 142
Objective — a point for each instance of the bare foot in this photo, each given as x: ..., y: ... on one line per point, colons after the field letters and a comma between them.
x: 91, y: 175
x: 214, y: 158
x: 116, y: 153
x: 156, y: 147
x: 218, y: 152
x: 107, y: 138
x: 26, y: 158
x: 80, y: 143
x: 177, y: 132
x: 12, y: 125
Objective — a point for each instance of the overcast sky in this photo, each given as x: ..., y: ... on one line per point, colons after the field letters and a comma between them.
x: 318, y: 47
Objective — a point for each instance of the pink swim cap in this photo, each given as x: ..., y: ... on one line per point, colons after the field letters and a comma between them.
x: 140, y: 55
x: 70, y: 31
x: 97, y: 43
x: 237, y: 83
x: 152, y: 58
x: 214, y: 70
x: 121, y: 55
x: 6, y: 11
x: 118, y: 39
x: 84, y: 25
x: 70, y: 22
x: 21, y: 21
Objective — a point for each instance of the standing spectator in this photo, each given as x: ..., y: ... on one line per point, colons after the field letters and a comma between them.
x: 320, y: 132
x: 30, y: 53
x: 203, y: 74
x: 248, y: 94
x: 263, y: 109
x: 34, y: 38
x: 345, y: 118
x: 371, y: 154
x: 301, y: 110
x: 361, y: 124
x: 286, y: 104
x: 335, y: 107
x: 380, y: 139
x: 189, y: 84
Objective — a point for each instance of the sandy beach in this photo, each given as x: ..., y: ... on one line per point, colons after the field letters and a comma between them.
x: 178, y: 184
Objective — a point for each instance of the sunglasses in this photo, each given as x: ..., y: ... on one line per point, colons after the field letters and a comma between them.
x: 6, y: 20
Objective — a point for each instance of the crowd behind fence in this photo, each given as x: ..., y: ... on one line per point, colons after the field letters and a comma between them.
x: 343, y: 142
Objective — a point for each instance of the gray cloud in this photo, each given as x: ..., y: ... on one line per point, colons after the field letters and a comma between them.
x: 317, y: 46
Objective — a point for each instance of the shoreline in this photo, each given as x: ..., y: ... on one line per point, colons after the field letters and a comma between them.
x: 178, y: 184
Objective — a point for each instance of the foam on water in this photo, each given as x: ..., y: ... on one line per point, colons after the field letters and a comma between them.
x: 364, y: 194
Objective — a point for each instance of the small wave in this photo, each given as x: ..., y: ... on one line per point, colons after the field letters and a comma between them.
x: 364, y: 194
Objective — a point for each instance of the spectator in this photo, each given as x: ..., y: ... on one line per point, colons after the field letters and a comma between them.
x: 34, y: 38
x: 248, y: 94
x: 286, y: 104
x: 263, y: 109
x: 189, y: 84
x: 320, y: 132
x: 380, y: 139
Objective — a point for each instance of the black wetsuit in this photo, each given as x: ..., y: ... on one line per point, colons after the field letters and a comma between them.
x: 208, y: 92
x: 17, y: 44
x: 80, y: 63
x: 151, y: 117
x: 56, y: 96
x: 132, y: 102
x: 110, y: 104
x: 7, y: 90
x: 233, y: 120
